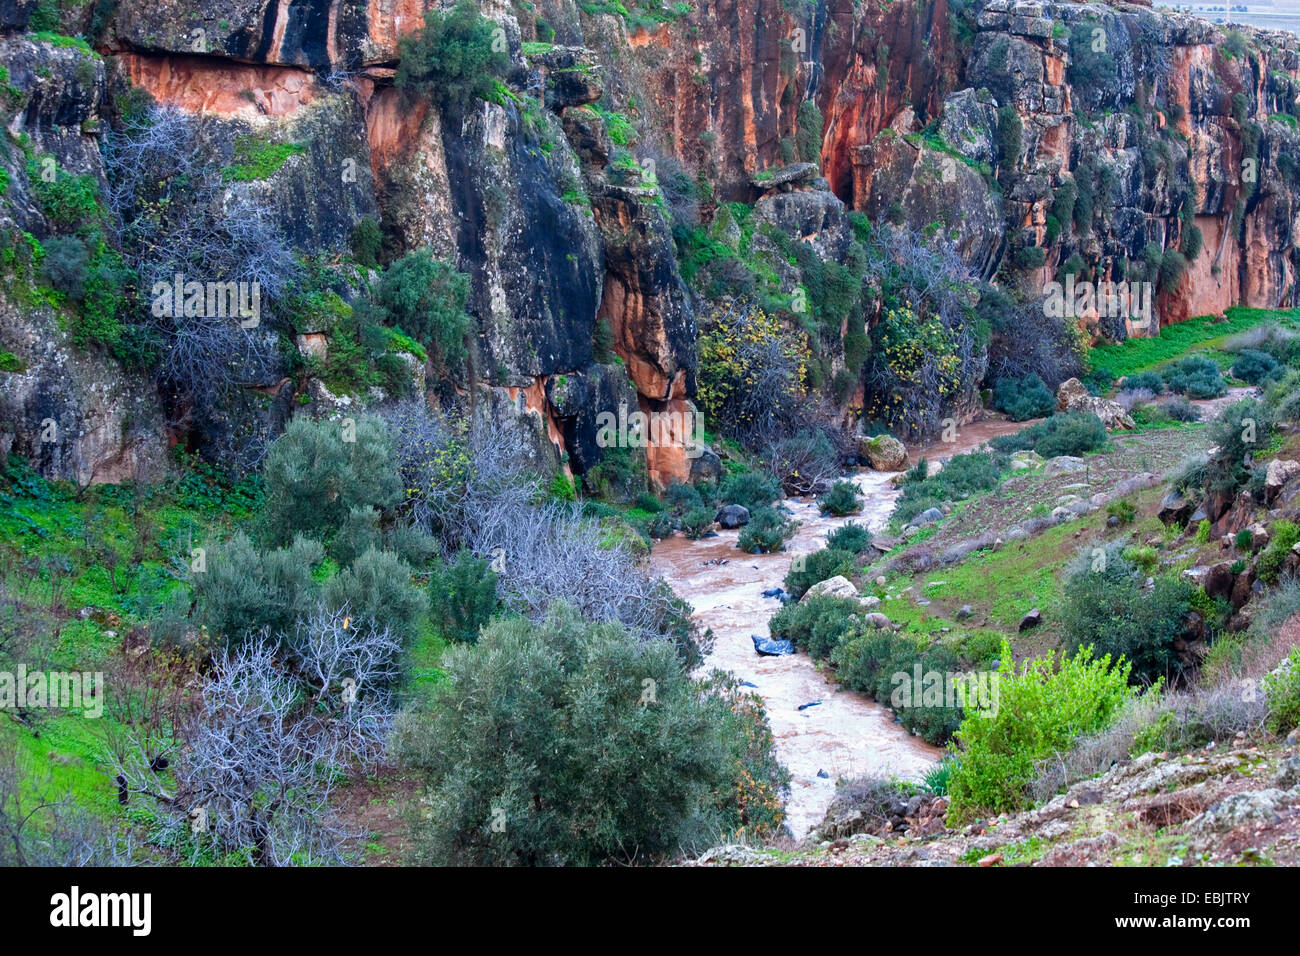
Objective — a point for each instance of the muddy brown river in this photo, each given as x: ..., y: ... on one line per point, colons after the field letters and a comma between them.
x: 846, y: 734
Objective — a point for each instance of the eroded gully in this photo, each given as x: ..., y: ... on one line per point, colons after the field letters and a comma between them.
x: 846, y: 734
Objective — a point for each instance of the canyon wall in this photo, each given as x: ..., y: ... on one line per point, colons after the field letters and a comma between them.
x: 982, y: 118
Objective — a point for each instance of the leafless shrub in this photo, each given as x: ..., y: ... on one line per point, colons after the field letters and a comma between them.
x: 247, y: 762
x: 1130, y: 399
x: 1173, y: 721
x: 176, y: 216
x: 460, y: 481
x: 40, y: 827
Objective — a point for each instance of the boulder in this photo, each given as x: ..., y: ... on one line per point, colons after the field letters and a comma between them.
x: 1063, y: 465
x: 1175, y: 509
x: 1280, y: 471
x: 771, y: 647
x: 838, y: 586
x: 876, y: 619
x: 1032, y: 619
x: 928, y: 516
x: 1072, y: 396
x: 732, y: 516
x: 884, y: 452
x: 1026, y: 460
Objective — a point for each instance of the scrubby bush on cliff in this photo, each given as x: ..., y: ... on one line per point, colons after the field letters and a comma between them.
x: 681, y: 497
x: 1106, y: 605
x: 807, y: 570
x: 1066, y: 433
x: 455, y: 58
x: 1026, y: 340
x: 1041, y: 709
x: 767, y: 532
x: 425, y: 297
x: 318, y: 471
x: 1196, y: 377
x: 568, y: 742
x: 922, y: 359
x: 816, y: 625
x: 751, y: 374
x: 174, y: 216
x: 842, y: 499
x: 1023, y: 398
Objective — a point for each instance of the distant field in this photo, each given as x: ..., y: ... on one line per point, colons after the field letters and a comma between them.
x: 1204, y: 333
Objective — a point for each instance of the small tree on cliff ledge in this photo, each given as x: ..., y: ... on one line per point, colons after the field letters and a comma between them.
x: 455, y: 58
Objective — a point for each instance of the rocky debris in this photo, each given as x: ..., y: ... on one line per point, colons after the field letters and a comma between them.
x: 876, y: 619
x: 786, y: 177
x: 883, y: 452
x: 731, y: 517
x: 838, y: 586
x: 771, y: 647
x: 1258, y: 806
x: 1073, y: 396
x: 1064, y: 465
x: 1280, y: 472
x: 926, y: 517
x: 1026, y: 460
x: 965, y: 612
x: 1031, y: 620
x: 870, y: 602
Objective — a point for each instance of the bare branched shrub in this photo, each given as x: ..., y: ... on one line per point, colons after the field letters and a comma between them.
x: 41, y: 827
x: 176, y: 216
x: 557, y: 554
x: 460, y: 480
x: 246, y: 764
x: 1130, y: 399
x: 1172, y: 721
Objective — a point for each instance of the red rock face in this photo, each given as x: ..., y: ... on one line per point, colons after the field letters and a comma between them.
x: 222, y: 87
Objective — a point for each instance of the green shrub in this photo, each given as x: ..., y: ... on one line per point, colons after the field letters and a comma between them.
x: 767, y: 532
x: 242, y: 591
x: 696, y: 523
x: 851, y: 537
x: 1149, y: 381
x: 807, y: 570
x: 1203, y: 531
x: 1122, y: 510
x: 367, y: 242
x: 315, y: 476
x: 462, y: 597
x: 751, y: 489
x: 569, y: 742
x: 934, y: 722
x: 1041, y: 710
x: 1023, y: 398
x: 66, y: 266
x: 1196, y: 377
x: 682, y: 498
x: 1282, y: 692
x: 961, y: 477
x: 661, y: 525
x: 426, y: 297
x: 377, y: 587
x: 1105, y: 605
x: 1251, y: 366
x: 1285, y: 536
x: 867, y: 660
x: 842, y: 499
x: 817, y: 624
x: 1181, y: 410
x: 1066, y: 433
x: 453, y: 57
